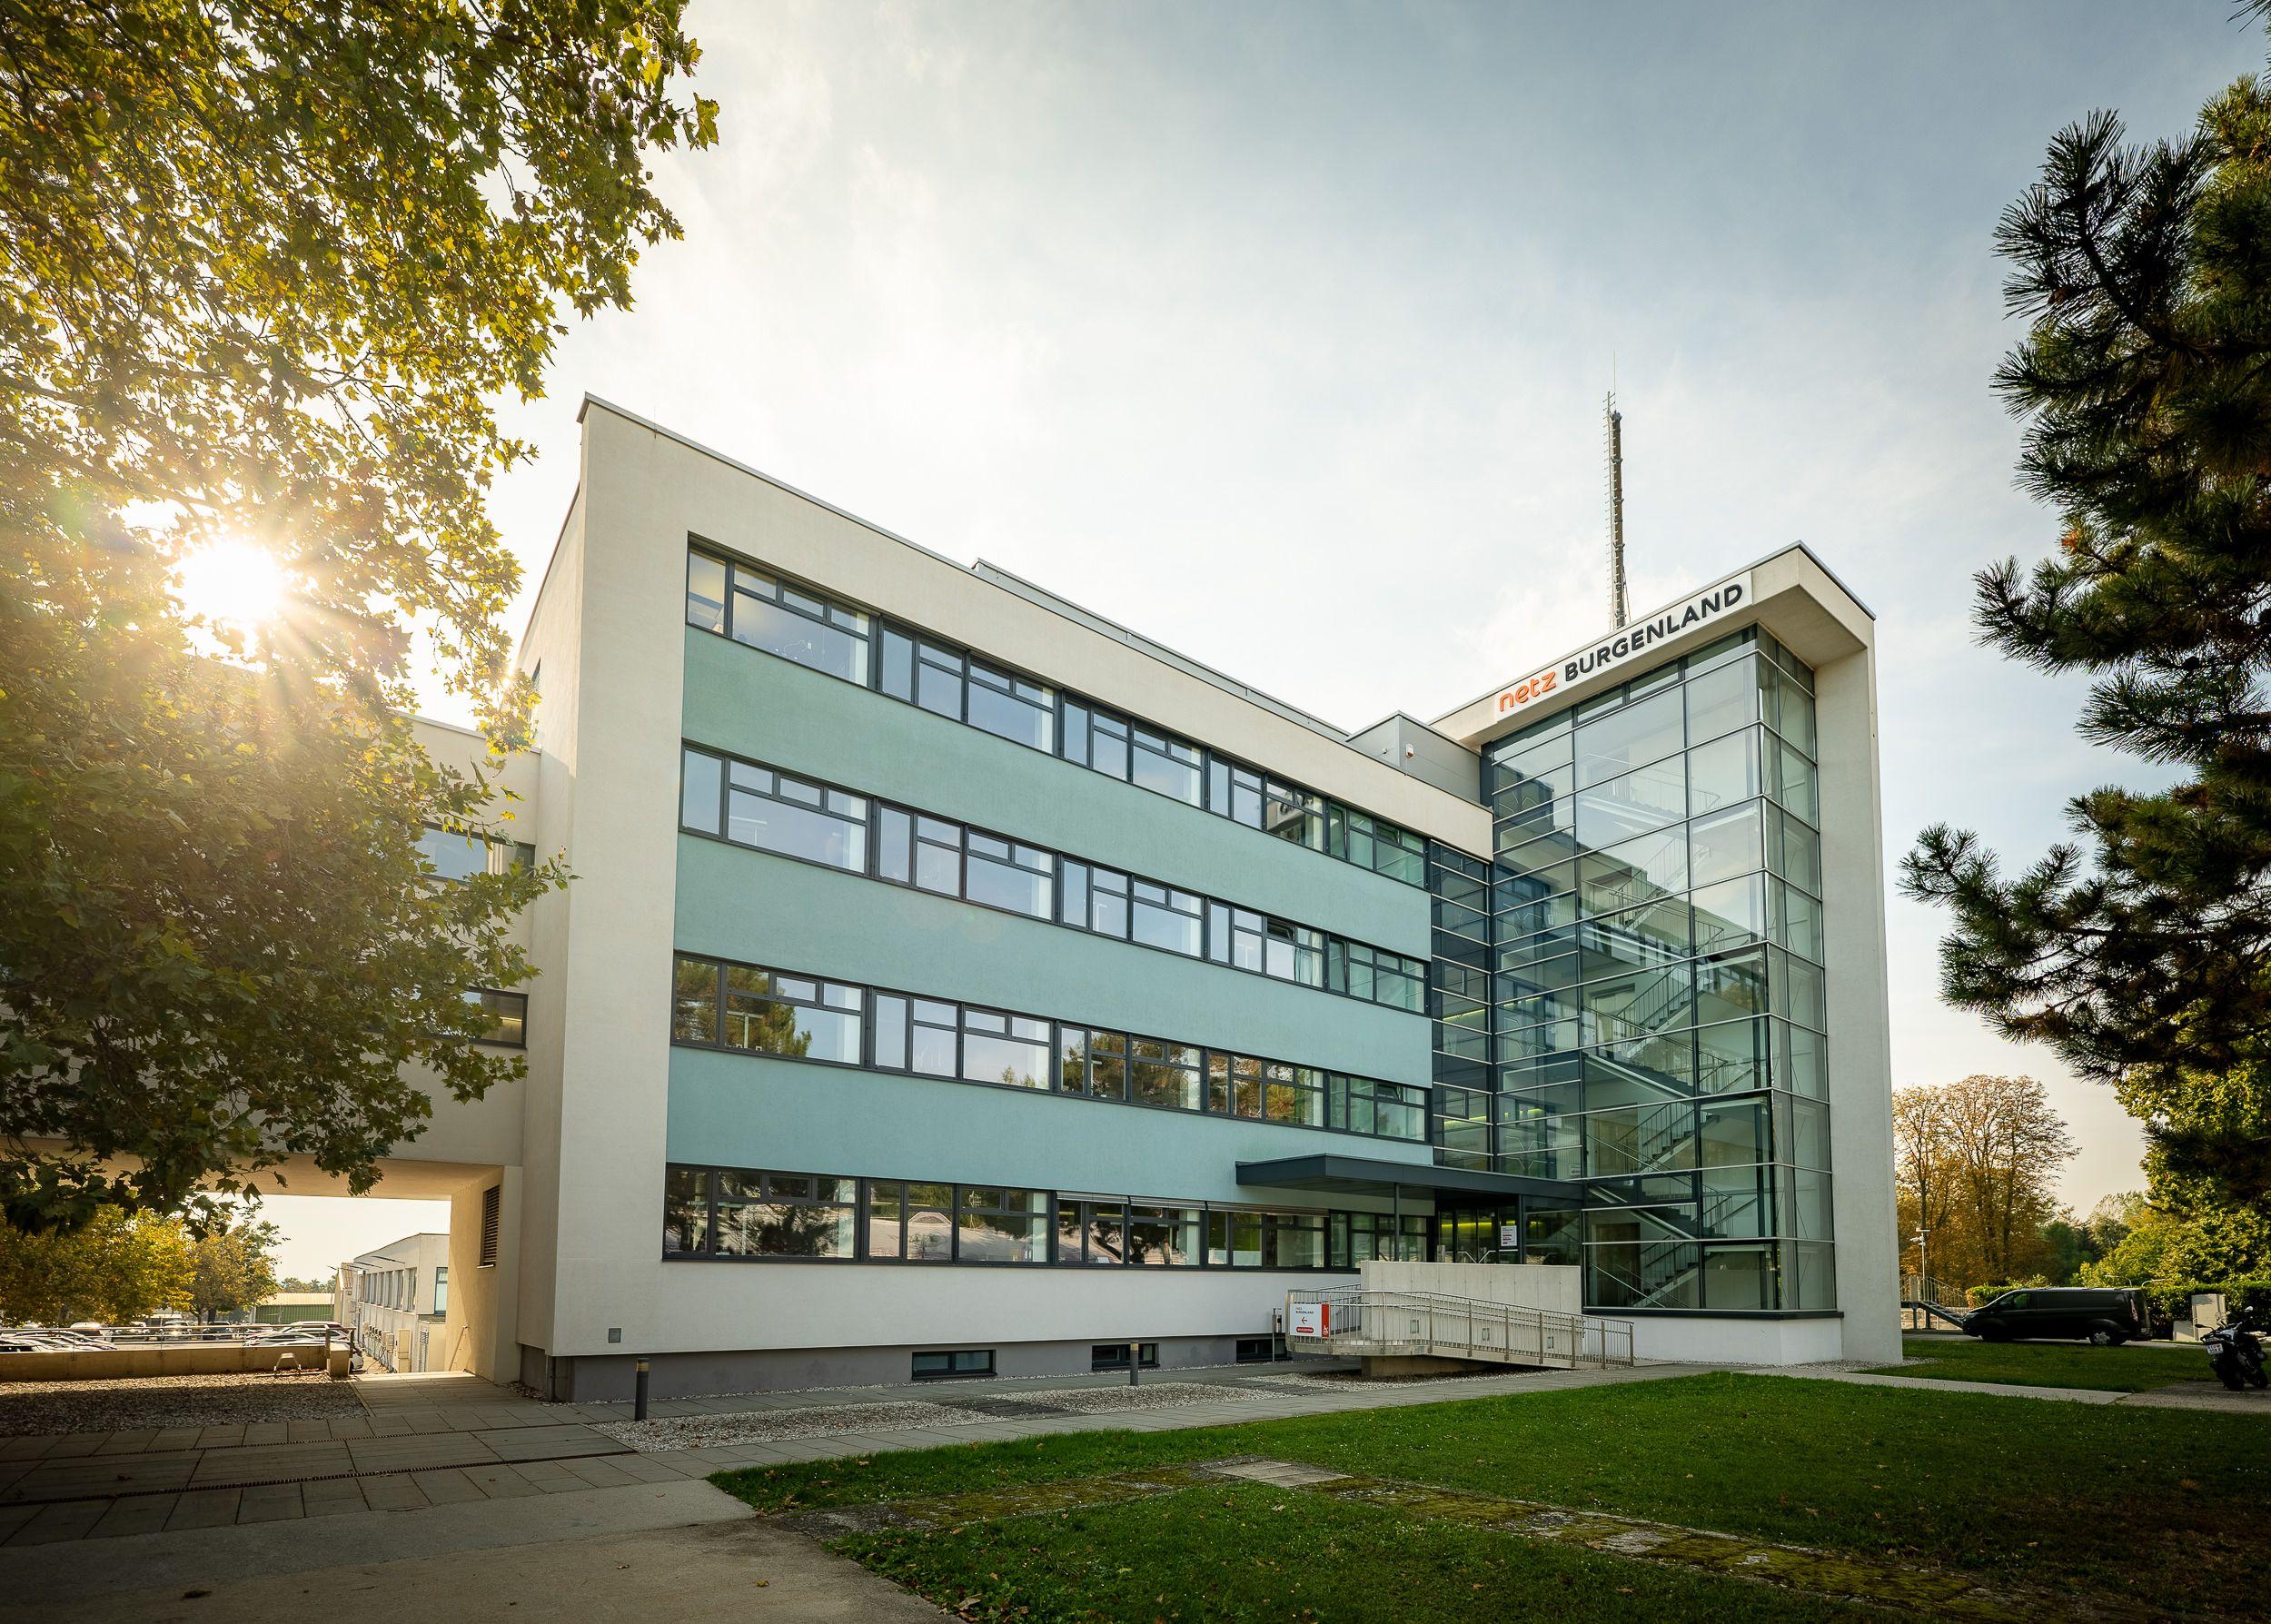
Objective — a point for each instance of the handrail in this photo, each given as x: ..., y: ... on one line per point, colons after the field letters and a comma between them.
x: 1401, y: 1324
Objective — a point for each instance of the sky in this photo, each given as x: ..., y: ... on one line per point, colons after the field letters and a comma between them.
x: 1279, y: 333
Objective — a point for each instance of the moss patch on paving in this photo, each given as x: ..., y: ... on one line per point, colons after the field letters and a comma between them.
x: 2050, y: 1365
x: 2160, y: 1505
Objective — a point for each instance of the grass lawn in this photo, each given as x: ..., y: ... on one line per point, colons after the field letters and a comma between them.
x: 1243, y: 1551
x: 2052, y: 1364
x: 2158, y: 1505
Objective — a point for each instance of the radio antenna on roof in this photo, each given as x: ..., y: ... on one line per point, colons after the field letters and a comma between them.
x: 1615, y: 423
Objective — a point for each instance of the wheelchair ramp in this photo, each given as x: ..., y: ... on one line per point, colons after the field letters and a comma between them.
x: 1374, y: 1324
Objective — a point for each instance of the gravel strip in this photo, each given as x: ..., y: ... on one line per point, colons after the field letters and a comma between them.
x: 770, y: 1426
x: 1151, y: 1395
x: 127, y: 1403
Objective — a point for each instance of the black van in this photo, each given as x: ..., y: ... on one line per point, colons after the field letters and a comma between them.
x: 2105, y: 1314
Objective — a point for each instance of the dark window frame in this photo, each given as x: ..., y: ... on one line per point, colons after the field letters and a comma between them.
x: 1330, y: 818
x: 1335, y: 949
x: 876, y: 1021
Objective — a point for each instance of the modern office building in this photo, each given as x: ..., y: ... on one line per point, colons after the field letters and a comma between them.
x: 956, y: 981
x: 397, y: 1301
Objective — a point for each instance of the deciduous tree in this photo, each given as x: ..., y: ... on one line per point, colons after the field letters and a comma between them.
x: 116, y: 1267
x: 233, y: 1268
x: 1982, y: 1155
x: 263, y: 270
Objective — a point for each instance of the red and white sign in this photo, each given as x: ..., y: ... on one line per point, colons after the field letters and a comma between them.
x: 1713, y: 603
x: 1309, y: 1319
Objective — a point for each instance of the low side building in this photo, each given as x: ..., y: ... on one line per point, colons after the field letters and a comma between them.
x: 399, y: 1305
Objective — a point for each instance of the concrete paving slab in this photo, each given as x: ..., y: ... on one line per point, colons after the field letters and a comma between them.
x: 417, y: 1454
x: 268, y: 1463
x: 548, y: 1443
x: 203, y: 1509
x: 733, y: 1571
x: 141, y: 1577
x: 143, y: 1514
x: 63, y: 1520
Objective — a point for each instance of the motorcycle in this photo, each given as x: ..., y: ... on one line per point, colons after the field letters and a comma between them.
x: 2236, y: 1355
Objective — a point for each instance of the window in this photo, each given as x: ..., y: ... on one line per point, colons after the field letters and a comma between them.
x: 752, y: 607
x: 1163, y: 1237
x: 491, y: 1202
x: 1379, y: 976
x: 1161, y: 917
x: 458, y: 854
x: 685, y: 1211
x: 1391, y: 1110
x: 911, y: 1223
x: 1002, y: 1226
x: 959, y: 1365
x: 1113, y: 1356
x: 1164, y: 763
x: 1011, y: 707
x: 442, y: 1288
x: 793, y: 817
x: 508, y: 1015
x: 1005, y: 1048
x: 791, y: 1015
x: 1257, y: 1350
x: 1006, y: 874
x: 1163, y: 1073
x: 783, y: 1215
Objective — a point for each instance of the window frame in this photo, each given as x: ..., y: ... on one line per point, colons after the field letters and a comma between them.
x: 1326, y: 819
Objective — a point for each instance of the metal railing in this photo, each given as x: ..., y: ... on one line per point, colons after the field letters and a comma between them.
x: 1427, y: 1324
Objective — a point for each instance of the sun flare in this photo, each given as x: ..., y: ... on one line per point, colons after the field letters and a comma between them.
x: 231, y: 583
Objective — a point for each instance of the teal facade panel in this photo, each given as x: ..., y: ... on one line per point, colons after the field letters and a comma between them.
x: 749, y: 1111
x: 754, y: 704
x: 738, y: 904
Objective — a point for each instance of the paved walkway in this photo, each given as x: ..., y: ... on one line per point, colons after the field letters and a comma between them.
x: 456, y: 1440
x: 681, y: 1551
x: 2191, y: 1395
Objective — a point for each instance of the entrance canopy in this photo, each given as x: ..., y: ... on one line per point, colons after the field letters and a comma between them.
x: 1368, y: 1175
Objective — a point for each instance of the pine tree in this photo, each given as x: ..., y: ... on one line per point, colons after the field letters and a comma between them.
x: 2141, y: 948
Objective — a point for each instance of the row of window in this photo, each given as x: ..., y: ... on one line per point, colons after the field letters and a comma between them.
x: 725, y: 1005
x: 753, y: 606
x: 757, y: 806
x: 730, y: 1213
x: 398, y: 1289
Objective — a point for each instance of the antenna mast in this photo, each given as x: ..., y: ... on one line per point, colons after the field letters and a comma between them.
x: 1616, y: 512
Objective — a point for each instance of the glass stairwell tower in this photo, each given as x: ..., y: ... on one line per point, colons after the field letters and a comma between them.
x: 1630, y: 995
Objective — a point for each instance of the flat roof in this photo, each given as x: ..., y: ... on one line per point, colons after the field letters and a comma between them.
x: 1643, y: 618
x: 1042, y: 598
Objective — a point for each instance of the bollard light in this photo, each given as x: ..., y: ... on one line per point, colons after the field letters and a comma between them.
x: 638, y: 1402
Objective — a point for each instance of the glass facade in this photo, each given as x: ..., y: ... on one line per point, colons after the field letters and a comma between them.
x: 1651, y: 1020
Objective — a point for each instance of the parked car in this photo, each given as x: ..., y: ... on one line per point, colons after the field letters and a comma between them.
x: 2106, y: 1315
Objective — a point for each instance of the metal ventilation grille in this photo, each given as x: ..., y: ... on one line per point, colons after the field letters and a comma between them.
x: 489, y: 1200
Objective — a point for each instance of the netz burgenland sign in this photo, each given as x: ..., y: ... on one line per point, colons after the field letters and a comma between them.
x: 1631, y: 643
